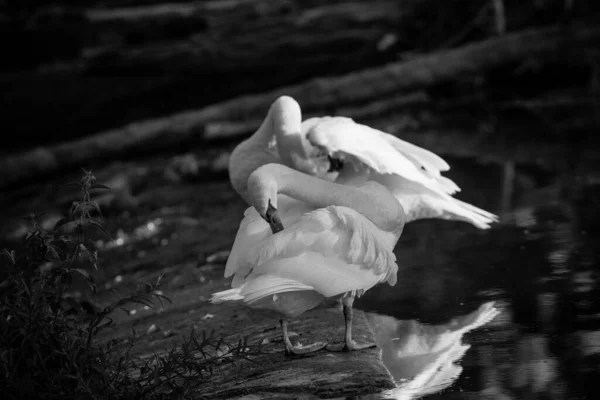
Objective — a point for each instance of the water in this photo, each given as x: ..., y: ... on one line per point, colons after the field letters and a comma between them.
x: 538, y: 266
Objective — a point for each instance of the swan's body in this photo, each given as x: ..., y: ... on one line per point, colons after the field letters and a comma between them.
x: 411, y: 173
x: 321, y: 253
x: 339, y: 236
x: 338, y: 239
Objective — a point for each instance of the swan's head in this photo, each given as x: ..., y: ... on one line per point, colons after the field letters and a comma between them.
x: 288, y: 140
x: 330, y: 163
x: 263, y: 189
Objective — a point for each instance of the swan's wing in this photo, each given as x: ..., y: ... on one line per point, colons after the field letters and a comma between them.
x: 253, y: 230
x: 411, y: 173
x: 314, y: 162
x: 420, y: 202
x: 333, y: 250
x: 372, y: 151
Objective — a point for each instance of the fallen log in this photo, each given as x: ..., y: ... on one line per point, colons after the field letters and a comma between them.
x: 263, y: 34
x: 161, y: 22
x: 141, y: 62
x: 320, y: 95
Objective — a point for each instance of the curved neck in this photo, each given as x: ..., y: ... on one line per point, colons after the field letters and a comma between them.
x: 283, y: 120
x: 287, y: 124
x: 371, y: 200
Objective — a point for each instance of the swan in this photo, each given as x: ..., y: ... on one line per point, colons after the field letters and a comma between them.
x: 344, y: 206
x: 341, y: 150
x: 337, y: 243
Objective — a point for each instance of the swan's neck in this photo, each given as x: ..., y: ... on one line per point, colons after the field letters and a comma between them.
x: 249, y: 155
x: 372, y: 200
x: 287, y: 125
x: 283, y: 120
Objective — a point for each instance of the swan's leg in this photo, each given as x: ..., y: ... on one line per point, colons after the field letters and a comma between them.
x: 349, y: 344
x: 291, y: 350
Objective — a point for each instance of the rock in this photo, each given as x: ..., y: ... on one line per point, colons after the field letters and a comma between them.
x: 321, y: 375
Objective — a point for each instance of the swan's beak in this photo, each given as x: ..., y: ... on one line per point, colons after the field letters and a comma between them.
x: 335, y: 164
x: 273, y: 219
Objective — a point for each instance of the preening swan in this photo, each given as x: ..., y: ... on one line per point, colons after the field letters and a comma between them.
x: 339, y: 236
x: 339, y: 149
x: 337, y: 241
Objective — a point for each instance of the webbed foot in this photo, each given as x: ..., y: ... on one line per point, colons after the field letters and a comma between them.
x: 351, y: 346
x: 300, y: 350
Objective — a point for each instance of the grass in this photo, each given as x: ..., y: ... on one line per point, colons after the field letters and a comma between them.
x: 49, y: 346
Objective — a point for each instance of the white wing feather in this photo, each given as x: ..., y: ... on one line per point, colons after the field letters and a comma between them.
x: 411, y: 173
x: 331, y: 250
x: 333, y: 232
x: 380, y: 152
x: 253, y: 230
x: 420, y: 203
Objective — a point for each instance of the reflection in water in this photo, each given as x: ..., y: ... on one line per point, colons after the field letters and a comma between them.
x: 421, y: 357
x: 539, y: 266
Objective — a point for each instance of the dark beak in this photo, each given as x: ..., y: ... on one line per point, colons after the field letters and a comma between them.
x: 335, y: 164
x: 273, y: 219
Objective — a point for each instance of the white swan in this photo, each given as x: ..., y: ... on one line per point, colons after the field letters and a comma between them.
x: 327, y: 251
x: 337, y: 241
x: 339, y: 149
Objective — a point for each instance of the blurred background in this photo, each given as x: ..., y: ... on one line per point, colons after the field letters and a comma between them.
x: 72, y: 69
x: 153, y: 95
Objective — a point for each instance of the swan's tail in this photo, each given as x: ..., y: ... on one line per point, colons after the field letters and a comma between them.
x: 258, y: 288
x: 227, y: 295
x: 268, y: 292
x: 474, y: 215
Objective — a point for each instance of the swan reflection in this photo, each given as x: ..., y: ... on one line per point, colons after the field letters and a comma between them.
x: 421, y: 357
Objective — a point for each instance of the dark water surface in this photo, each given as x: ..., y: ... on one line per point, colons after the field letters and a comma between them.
x: 538, y: 266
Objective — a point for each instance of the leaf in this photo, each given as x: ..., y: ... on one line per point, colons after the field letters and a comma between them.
x: 61, y: 222
x: 84, y: 273
x: 92, y: 205
x: 10, y: 254
x: 90, y: 246
x: 99, y: 227
x: 53, y: 251
x: 99, y: 186
x: 103, y: 326
x: 6, y: 285
x: 161, y: 297
x: 74, y: 304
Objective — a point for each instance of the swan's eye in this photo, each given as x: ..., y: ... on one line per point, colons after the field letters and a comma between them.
x: 335, y: 164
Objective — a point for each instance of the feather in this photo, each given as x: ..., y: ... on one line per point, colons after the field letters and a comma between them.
x: 334, y: 232
x: 227, y: 295
x: 328, y: 251
x: 411, y: 173
x: 426, y: 158
x: 373, y: 148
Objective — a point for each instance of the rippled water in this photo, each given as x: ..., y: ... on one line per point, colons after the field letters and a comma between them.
x: 538, y: 266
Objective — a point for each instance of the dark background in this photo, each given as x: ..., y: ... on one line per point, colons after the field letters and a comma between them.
x: 75, y: 68
x: 153, y: 95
